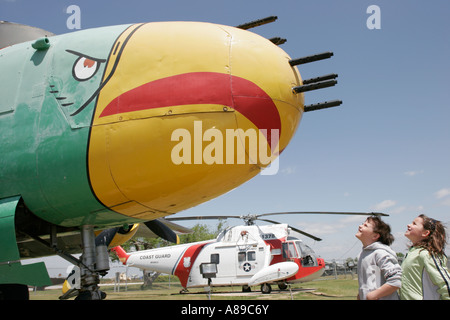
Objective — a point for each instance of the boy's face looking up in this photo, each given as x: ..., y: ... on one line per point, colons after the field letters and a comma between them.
x: 366, y: 234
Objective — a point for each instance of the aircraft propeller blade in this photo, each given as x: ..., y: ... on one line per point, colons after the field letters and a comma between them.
x: 163, y: 231
x: 106, y: 236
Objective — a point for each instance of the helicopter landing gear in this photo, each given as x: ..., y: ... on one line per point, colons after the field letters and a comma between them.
x: 246, y: 289
x: 266, y: 288
x: 282, y: 286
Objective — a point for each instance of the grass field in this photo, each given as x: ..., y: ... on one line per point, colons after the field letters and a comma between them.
x: 343, y: 288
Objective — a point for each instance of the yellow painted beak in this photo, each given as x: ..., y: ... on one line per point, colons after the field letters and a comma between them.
x: 174, y: 96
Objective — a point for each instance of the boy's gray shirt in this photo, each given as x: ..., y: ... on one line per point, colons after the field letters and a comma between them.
x: 377, y: 265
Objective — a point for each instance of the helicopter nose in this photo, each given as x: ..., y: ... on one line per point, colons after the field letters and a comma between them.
x: 178, y: 110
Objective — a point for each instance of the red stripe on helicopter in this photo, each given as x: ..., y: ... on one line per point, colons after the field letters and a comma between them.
x: 276, y: 244
x: 184, y: 266
x: 201, y: 88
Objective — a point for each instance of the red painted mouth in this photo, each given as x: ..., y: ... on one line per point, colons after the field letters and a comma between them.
x: 201, y: 88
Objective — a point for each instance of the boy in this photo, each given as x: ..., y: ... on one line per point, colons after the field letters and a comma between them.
x: 379, y: 273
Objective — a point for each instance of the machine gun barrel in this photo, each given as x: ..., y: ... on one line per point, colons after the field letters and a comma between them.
x: 319, y: 79
x: 312, y: 58
x: 314, y: 86
x: 277, y: 40
x: 257, y: 23
x: 322, y: 105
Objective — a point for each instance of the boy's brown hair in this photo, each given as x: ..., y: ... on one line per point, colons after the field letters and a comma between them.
x: 383, y: 229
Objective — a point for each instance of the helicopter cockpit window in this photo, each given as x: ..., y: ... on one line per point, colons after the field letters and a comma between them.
x: 307, y: 254
x: 299, y: 248
x: 292, y: 251
x: 289, y: 250
x: 241, y: 256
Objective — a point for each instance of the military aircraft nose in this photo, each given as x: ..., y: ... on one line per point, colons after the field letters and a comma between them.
x: 186, y: 112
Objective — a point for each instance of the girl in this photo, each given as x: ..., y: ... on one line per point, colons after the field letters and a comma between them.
x: 425, y: 274
x: 379, y: 273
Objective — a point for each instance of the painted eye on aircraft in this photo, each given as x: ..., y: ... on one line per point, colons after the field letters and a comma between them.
x: 85, y: 67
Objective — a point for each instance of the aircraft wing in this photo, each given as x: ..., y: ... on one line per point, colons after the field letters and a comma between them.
x: 32, y: 247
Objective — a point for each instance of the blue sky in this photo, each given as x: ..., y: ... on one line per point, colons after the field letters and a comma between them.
x: 386, y: 148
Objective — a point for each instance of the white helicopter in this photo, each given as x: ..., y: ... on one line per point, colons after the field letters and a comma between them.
x: 247, y: 255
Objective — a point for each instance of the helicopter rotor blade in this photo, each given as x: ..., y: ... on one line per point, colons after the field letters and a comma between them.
x: 327, y: 212
x: 250, y: 218
x: 267, y: 214
x: 295, y: 229
x: 202, y: 218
